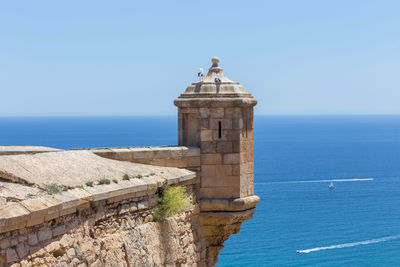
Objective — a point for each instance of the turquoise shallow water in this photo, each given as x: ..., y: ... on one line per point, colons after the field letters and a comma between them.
x: 292, y: 215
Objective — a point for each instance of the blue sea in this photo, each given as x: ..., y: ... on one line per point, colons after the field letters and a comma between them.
x: 356, y: 224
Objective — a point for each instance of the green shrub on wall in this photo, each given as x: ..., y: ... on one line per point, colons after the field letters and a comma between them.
x: 174, y: 199
x: 52, y: 189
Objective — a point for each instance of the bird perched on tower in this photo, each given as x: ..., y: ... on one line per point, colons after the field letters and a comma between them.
x: 217, y: 78
x: 200, y: 74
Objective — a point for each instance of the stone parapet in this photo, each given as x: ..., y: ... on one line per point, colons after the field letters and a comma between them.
x: 36, y: 231
x: 31, y: 212
x: 17, y: 150
x: 166, y: 156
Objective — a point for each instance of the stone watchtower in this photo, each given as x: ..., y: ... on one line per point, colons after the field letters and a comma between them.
x: 216, y: 114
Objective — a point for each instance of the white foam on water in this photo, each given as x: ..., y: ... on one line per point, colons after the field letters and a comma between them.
x: 347, y: 245
x: 322, y: 181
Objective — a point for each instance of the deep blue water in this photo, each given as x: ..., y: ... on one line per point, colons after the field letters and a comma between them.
x: 290, y: 216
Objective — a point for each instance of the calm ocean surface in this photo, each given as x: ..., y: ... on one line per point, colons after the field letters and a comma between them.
x: 292, y: 215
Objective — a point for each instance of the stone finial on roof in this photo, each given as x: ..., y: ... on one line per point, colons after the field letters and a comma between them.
x: 215, y: 74
x: 215, y: 86
x: 215, y: 61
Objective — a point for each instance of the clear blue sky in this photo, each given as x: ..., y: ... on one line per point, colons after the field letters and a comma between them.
x: 135, y: 57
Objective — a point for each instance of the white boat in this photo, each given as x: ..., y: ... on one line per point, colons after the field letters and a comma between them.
x: 331, y: 186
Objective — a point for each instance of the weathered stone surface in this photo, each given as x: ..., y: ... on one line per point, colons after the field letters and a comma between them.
x: 22, y: 238
x: 191, y: 151
x: 220, y: 204
x: 168, y: 156
x: 71, y: 253
x: 21, y: 250
x: 44, y: 234
x: 37, y: 211
x: 208, y: 147
x: 209, y: 171
x: 216, y: 229
x: 193, y: 162
x: 4, y: 243
x: 17, y: 192
x: 73, y: 168
x: 13, y: 242
x: 68, y: 202
x: 221, y: 192
x: 167, y: 243
x: 11, y: 255
x: 211, y: 159
x: 53, y: 246
x: 144, y: 204
x: 232, y: 158
x: 14, y: 150
x: 225, y: 217
x: 59, y: 230
x: 206, y: 135
x: 32, y: 239
x: 13, y: 216
x: 225, y: 147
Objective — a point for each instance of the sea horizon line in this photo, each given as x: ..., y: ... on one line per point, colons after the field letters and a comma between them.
x: 174, y: 115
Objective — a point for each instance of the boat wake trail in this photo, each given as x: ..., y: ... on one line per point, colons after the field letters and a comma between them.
x: 322, y: 181
x: 347, y: 245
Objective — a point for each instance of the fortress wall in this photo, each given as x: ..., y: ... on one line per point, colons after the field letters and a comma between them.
x: 17, y: 150
x: 111, y: 225
x: 100, y: 226
x: 166, y: 156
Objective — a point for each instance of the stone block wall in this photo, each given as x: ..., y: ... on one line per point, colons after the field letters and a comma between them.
x: 166, y: 156
x: 225, y: 137
x: 104, y: 225
x: 112, y: 225
x: 246, y: 153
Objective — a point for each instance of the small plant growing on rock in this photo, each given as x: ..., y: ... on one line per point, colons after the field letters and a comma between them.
x: 173, y: 200
x: 125, y: 177
x: 139, y: 176
x: 66, y: 188
x: 52, y: 189
x: 104, y: 181
x: 115, y: 181
x: 90, y: 183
